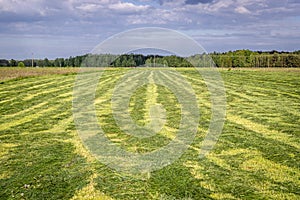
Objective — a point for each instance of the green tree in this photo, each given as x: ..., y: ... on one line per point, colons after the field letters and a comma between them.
x: 4, y: 63
x: 47, y: 63
x: 148, y: 62
x: 13, y: 63
x: 21, y: 64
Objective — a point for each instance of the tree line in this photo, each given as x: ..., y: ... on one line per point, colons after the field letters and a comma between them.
x: 247, y: 58
x: 231, y: 59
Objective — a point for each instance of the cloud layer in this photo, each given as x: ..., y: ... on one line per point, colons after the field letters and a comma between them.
x: 217, y: 24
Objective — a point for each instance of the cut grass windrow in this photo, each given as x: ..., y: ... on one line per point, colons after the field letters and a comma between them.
x: 257, y: 155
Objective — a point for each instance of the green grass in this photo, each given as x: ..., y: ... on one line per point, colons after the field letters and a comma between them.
x: 256, y: 157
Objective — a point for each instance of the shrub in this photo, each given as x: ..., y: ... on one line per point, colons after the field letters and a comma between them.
x: 21, y: 64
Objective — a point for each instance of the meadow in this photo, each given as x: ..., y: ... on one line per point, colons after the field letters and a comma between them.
x: 257, y: 155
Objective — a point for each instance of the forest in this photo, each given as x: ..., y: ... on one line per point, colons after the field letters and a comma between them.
x: 230, y: 59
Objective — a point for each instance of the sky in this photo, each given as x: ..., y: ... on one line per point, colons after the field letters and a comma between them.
x: 63, y: 28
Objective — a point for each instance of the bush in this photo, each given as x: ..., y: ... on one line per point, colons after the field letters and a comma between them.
x: 21, y: 64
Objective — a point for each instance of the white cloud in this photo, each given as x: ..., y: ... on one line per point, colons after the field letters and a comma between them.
x: 246, y: 18
x: 172, y: 3
x: 242, y: 10
x: 89, y: 7
x: 127, y: 7
x: 219, y: 5
x: 21, y: 6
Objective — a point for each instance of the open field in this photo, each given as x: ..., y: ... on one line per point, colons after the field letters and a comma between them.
x: 7, y: 73
x: 256, y: 157
x: 17, y: 72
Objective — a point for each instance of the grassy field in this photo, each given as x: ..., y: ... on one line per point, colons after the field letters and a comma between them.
x: 256, y: 157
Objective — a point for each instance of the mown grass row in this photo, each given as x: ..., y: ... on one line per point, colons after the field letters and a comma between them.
x: 256, y: 157
x: 33, y: 157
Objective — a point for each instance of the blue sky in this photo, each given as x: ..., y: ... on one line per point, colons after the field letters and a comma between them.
x: 61, y: 28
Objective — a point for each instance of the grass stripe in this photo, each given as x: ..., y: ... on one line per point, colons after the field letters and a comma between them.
x: 9, y: 124
x: 256, y: 156
x: 259, y: 128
